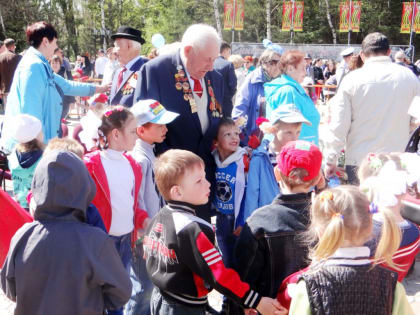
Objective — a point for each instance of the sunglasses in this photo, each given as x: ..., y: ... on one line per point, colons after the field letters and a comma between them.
x: 273, y: 62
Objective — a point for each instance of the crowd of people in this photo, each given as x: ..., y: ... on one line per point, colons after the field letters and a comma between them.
x: 195, y: 169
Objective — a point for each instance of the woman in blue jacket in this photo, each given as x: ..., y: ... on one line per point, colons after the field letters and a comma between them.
x: 36, y: 90
x: 250, y: 101
x: 286, y: 89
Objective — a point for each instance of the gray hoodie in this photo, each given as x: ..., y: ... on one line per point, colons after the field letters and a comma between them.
x: 58, y: 264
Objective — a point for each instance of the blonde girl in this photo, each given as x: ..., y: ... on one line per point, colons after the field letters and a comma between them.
x: 342, y: 278
x: 384, y: 178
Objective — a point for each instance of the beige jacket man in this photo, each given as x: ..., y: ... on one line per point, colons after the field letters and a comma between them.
x: 369, y: 112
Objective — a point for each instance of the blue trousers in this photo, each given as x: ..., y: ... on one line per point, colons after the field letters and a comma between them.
x: 139, y: 303
x: 123, y: 246
x: 225, y: 238
x: 159, y: 305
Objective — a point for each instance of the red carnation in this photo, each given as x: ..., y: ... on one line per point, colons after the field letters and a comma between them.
x: 253, y: 142
x: 102, y: 98
x: 260, y: 120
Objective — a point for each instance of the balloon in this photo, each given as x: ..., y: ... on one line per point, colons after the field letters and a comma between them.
x: 158, y: 40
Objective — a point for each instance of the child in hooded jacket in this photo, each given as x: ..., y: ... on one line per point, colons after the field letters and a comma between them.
x: 27, y: 131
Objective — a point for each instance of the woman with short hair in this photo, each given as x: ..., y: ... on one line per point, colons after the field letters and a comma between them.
x: 36, y: 88
x: 287, y: 90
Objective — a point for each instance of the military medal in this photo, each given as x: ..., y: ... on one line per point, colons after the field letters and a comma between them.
x: 178, y: 86
x: 185, y: 86
x: 193, y: 106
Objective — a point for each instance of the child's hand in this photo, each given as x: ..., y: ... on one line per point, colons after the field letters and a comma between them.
x: 146, y: 223
x: 250, y: 311
x: 268, y: 306
x: 237, y: 231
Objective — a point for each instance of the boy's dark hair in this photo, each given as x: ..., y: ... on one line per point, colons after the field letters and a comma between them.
x: 224, y: 46
x: 224, y: 121
x: 375, y: 44
x: 114, y: 118
x: 37, y: 31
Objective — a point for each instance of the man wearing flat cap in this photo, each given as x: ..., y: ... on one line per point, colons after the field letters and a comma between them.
x: 343, y: 66
x: 127, y: 42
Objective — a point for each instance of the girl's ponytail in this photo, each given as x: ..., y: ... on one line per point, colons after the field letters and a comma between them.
x: 390, y: 239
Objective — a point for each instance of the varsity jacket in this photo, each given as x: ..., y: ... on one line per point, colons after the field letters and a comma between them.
x: 102, y: 199
x: 183, y: 262
x: 409, y: 247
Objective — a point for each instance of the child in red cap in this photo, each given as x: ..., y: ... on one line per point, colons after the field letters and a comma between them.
x: 269, y: 249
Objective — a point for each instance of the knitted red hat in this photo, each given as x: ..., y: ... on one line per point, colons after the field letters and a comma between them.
x: 300, y: 154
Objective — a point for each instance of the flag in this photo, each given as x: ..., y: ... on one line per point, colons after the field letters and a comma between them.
x: 407, y: 13
x: 240, y: 14
x: 298, y: 19
x: 228, y: 21
x: 356, y: 9
x: 292, y: 12
x: 417, y: 18
x: 344, y: 17
x: 287, y: 16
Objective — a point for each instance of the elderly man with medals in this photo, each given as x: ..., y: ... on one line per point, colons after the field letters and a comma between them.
x: 127, y: 42
x: 184, y: 82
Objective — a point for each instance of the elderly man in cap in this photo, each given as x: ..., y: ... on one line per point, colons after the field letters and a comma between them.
x: 343, y: 66
x: 370, y: 109
x: 184, y: 82
x: 127, y: 42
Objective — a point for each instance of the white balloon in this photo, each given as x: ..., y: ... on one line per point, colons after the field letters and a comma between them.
x: 158, y: 40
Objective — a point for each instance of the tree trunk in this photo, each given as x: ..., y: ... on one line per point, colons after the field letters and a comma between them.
x: 69, y: 21
x: 2, y: 24
x: 217, y: 17
x: 103, y: 25
x: 334, y: 34
x: 268, y: 16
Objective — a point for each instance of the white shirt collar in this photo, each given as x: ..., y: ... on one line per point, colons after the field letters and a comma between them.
x: 183, y: 59
x: 354, y: 256
x: 112, y: 154
x: 378, y: 59
x: 131, y: 62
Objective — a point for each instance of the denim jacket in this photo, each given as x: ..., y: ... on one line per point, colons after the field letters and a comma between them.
x: 34, y: 92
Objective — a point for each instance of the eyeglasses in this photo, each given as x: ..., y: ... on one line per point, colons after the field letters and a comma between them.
x: 273, y: 62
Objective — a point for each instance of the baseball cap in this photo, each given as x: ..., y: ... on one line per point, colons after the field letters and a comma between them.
x: 25, y: 128
x: 347, y: 52
x: 300, y: 154
x: 288, y: 113
x: 146, y: 111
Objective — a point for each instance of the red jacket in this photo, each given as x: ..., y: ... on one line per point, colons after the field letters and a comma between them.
x: 102, y: 199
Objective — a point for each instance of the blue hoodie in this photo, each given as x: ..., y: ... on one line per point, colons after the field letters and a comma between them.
x: 262, y: 185
x: 284, y: 90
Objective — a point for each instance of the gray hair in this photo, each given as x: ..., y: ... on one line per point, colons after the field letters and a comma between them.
x: 375, y: 44
x: 135, y: 45
x: 267, y: 55
x: 199, y: 35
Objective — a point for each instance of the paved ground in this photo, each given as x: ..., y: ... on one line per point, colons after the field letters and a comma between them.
x: 411, y: 283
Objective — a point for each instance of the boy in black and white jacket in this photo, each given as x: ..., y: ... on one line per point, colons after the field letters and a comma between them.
x: 181, y: 259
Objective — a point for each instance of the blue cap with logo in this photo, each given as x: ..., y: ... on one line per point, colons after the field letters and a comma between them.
x: 288, y: 113
x: 152, y: 111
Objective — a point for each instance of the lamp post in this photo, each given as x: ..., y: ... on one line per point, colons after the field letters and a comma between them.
x: 292, y: 32
x: 349, y: 35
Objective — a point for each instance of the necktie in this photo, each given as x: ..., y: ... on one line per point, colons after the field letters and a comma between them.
x: 198, y: 89
x: 120, y: 77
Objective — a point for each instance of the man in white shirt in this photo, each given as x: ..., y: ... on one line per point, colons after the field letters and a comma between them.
x: 369, y: 112
x: 100, y: 63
